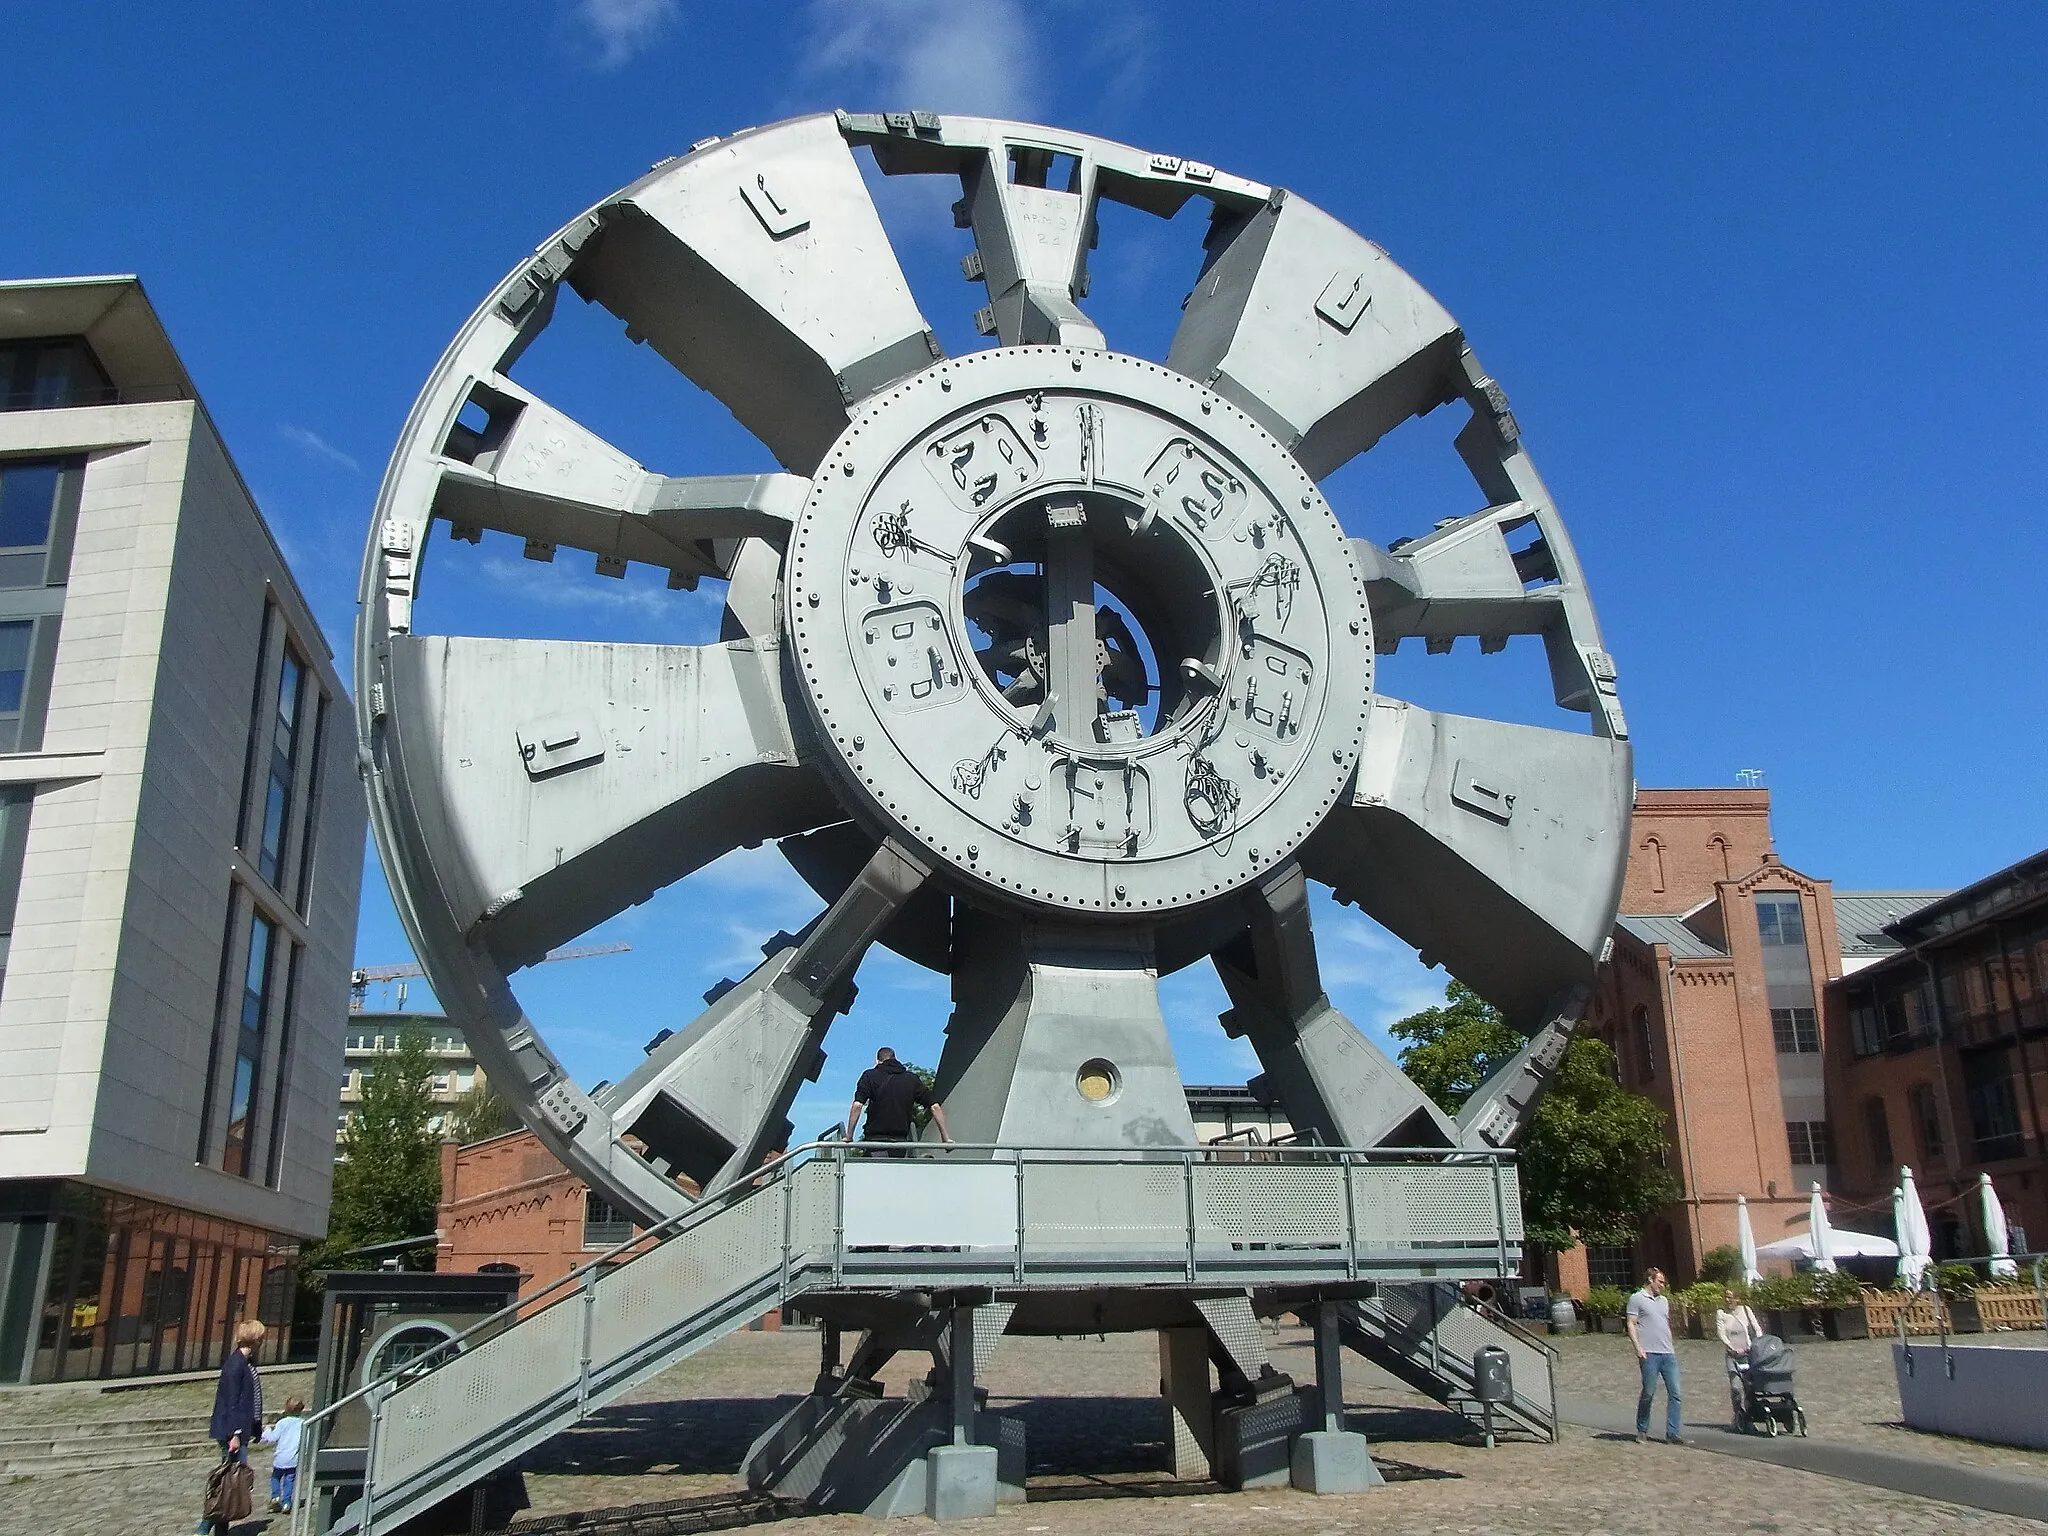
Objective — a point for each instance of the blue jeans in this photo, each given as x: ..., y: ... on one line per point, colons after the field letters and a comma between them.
x: 284, y: 1482
x: 1655, y: 1366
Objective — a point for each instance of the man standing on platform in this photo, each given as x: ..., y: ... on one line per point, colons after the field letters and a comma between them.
x: 1649, y: 1329
x: 889, y: 1092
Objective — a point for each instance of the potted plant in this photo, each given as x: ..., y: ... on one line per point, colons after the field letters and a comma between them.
x: 1603, y: 1307
x: 1786, y: 1306
x: 1957, y: 1285
x: 1842, y: 1314
x: 1701, y: 1301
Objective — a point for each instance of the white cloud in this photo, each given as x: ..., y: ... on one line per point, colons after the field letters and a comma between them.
x: 928, y: 55
x: 318, y: 446
x: 624, y: 28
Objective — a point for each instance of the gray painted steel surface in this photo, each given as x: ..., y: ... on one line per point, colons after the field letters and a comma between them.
x: 974, y: 756
x: 827, y: 1222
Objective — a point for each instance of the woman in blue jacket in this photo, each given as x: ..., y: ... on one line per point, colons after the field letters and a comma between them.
x: 237, y: 1403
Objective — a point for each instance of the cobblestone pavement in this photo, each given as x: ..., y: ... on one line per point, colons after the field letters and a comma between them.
x: 1094, y: 1426
x: 1847, y: 1389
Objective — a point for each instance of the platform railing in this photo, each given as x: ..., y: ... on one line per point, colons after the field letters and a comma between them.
x: 836, y: 1215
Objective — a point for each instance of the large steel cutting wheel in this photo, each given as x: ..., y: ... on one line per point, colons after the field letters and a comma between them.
x: 1048, y: 666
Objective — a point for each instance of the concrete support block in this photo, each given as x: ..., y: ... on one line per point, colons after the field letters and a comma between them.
x: 1254, y: 1438
x: 1190, y: 1407
x: 1333, y: 1461
x: 960, y: 1481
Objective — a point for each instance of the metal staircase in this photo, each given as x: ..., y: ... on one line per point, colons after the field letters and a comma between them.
x: 1426, y: 1336
x: 829, y: 1218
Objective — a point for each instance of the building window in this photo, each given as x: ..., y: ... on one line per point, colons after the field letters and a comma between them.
x: 1607, y: 1264
x: 604, y: 1224
x: 284, y: 738
x: 1879, y: 1131
x: 1866, y: 1027
x: 17, y: 638
x: 1643, y: 1042
x: 1779, y: 923
x: 249, y: 1044
x: 1994, y: 1112
x: 1926, y: 1115
x: 1796, y: 1031
x: 50, y: 374
x: 1810, y: 1143
x: 312, y: 818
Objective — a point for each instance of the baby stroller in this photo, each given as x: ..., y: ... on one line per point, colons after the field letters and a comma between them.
x: 1764, y: 1378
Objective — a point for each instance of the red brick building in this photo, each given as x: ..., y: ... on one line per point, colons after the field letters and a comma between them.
x: 508, y: 1201
x: 1938, y: 1056
x: 1712, y: 1003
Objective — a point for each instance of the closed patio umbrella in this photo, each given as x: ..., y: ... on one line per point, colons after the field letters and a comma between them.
x: 1910, y: 1218
x: 1995, y: 1235
x: 1822, y: 1234
x: 1745, y: 1236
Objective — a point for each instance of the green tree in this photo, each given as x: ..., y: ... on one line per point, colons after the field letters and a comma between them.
x: 1592, y: 1156
x: 480, y: 1114
x: 387, y: 1180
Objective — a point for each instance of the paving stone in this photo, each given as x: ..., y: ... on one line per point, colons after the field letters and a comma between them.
x: 665, y: 1457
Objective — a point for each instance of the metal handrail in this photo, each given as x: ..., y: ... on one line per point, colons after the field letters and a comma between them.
x: 778, y: 1166
x: 775, y: 1172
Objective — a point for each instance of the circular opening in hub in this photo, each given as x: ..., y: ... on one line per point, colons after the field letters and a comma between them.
x: 1158, y: 621
x: 1098, y: 1081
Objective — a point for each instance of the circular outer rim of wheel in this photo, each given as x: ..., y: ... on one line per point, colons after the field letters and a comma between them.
x: 892, y: 792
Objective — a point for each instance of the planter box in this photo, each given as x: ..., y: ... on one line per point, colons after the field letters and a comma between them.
x: 1796, y: 1323
x: 1997, y: 1394
x: 1964, y: 1315
x: 1845, y: 1322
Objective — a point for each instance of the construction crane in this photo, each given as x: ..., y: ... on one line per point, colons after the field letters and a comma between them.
x: 360, y: 978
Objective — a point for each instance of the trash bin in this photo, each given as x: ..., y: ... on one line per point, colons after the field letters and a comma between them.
x: 1492, y: 1383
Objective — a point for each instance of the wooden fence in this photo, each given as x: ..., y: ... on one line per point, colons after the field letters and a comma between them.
x: 2002, y: 1308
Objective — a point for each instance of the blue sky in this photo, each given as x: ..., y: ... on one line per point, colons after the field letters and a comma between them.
x: 1764, y: 284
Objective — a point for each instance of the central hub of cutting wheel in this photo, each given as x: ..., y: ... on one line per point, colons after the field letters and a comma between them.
x: 1078, y: 630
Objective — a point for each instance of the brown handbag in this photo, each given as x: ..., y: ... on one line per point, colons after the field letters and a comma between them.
x: 230, y: 1491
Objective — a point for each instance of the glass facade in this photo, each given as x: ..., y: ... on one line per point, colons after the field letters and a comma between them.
x: 95, y: 1285
x: 277, y: 796
x: 51, y: 373
x: 256, y: 982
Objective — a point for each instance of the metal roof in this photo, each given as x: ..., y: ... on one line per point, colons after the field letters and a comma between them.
x: 1861, y: 918
x: 1683, y: 943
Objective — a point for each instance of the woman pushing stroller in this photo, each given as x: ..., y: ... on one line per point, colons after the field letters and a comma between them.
x: 1739, y: 1329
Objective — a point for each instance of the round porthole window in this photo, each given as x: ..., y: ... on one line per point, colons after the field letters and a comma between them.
x: 1098, y: 1081
x: 409, y: 1342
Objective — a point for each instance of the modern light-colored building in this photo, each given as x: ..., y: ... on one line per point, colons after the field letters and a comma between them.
x: 375, y: 1036
x: 181, y: 838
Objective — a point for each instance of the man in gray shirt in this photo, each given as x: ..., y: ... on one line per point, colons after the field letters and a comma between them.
x: 1649, y: 1329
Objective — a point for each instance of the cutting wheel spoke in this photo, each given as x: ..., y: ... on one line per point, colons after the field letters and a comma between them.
x: 758, y: 267
x: 562, y: 783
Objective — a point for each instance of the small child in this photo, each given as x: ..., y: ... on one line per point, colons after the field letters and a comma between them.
x: 284, y: 1461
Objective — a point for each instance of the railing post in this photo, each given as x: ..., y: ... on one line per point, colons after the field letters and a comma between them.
x: 1017, y: 1269
x: 369, y: 1499
x: 1500, y: 1218
x: 1187, y: 1163
x: 583, y: 1362
x: 1350, y: 1218
x: 838, y: 1214
x: 787, y: 1180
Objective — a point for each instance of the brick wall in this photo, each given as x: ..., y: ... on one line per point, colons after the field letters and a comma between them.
x: 1684, y: 840
x: 509, y: 1201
